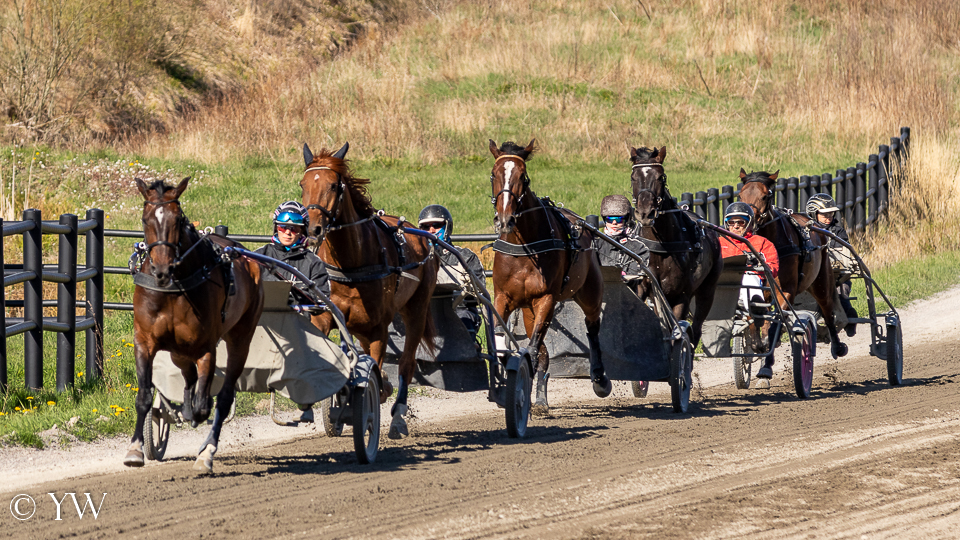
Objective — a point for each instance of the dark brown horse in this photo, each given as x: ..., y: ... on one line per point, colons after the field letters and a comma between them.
x: 374, y: 272
x: 183, y: 303
x: 813, y: 273
x: 539, y: 263
x: 684, y: 257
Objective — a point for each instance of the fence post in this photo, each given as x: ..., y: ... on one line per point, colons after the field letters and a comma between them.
x: 884, y: 178
x: 33, y: 301
x: 895, y: 150
x: 861, y: 186
x: 687, y: 199
x: 851, y: 196
x: 701, y: 209
x: 3, y: 323
x: 67, y: 303
x: 781, y: 192
x: 873, y: 184
x: 94, y: 288
x: 713, y: 208
x: 803, y: 195
x: 221, y: 230
x: 826, y: 183
x: 727, y: 198
x: 905, y: 141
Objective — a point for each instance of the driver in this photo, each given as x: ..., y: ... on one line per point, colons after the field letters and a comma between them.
x: 824, y: 211
x: 289, y: 246
x: 436, y: 220
x: 615, y: 210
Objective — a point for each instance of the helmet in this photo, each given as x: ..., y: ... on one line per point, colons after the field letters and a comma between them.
x: 614, y: 205
x: 740, y: 210
x: 290, y: 213
x: 821, y: 203
x: 435, y: 213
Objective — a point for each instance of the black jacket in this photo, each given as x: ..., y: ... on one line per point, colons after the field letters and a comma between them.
x: 300, y: 258
x: 473, y: 262
x: 611, y: 256
x: 837, y: 228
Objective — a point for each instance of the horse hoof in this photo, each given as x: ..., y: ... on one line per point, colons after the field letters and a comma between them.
x: 134, y: 457
x: 839, y: 349
x: 398, y: 427
x: 763, y: 384
x: 386, y: 391
x: 540, y: 409
x: 204, y: 463
x: 602, y: 387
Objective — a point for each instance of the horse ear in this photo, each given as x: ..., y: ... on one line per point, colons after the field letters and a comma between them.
x: 182, y: 186
x: 494, y: 150
x: 307, y: 155
x: 530, y: 147
x: 342, y: 152
x: 142, y: 187
x: 775, y: 175
x: 743, y: 173
x: 633, y: 152
x: 661, y: 154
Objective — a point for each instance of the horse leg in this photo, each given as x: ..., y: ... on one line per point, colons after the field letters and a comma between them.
x: 823, y: 290
x: 376, y: 350
x: 202, y: 400
x: 408, y: 365
x: 537, y: 322
x: 589, y: 298
x: 144, y: 357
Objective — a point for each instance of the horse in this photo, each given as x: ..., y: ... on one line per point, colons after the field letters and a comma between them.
x: 186, y: 299
x: 684, y: 257
x: 375, y: 271
x: 814, y: 273
x: 542, y: 258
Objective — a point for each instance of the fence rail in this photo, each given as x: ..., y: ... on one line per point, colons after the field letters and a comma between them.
x: 862, y: 193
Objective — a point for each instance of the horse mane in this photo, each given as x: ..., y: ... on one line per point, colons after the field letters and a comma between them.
x: 513, y: 149
x: 644, y: 154
x: 758, y: 176
x: 357, y: 187
x: 160, y: 187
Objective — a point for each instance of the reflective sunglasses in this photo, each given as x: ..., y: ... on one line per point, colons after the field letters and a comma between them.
x: 736, y: 223
x: 289, y: 228
x: 614, y: 219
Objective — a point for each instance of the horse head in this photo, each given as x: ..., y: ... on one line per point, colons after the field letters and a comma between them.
x: 509, y: 182
x: 649, y: 182
x: 322, y: 188
x: 163, y: 221
x: 757, y: 191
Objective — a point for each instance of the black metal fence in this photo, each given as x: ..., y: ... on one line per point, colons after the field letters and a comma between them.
x: 862, y: 193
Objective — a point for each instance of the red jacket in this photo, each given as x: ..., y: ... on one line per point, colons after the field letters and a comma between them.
x: 730, y: 247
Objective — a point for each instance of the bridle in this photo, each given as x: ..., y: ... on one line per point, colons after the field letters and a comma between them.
x: 181, y: 222
x: 760, y: 217
x: 333, y: 213
x: 506, y: 189
x: 659, y: 197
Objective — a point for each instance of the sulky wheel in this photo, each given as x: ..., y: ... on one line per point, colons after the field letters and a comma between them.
x: 742, y: 365
x: 640, y: 388
x: 803, y: 350
x: 681, y: 374
x: 894, y: 352
x: 156, y: 431
x: 519, y: 387
x: 331, y: 426
x: 366, y: 420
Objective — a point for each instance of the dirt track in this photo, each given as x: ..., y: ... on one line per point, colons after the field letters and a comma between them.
x: 860, y: 459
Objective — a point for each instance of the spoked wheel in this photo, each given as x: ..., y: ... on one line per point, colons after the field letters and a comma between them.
x: 681, y: 374
x: 803, y: 348
x: 156, y: 430
x: 640, y: 388
x: 366, y: 420
x: 519, y: 387
x: 894, y: 352
x: 742, y: 365
x: 331, y: 426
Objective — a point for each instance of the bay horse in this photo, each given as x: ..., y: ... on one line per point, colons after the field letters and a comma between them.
x: 684, y: 257
x: 541, y: 260
x: 184, y: 303
x: 374, y: 270
x: 814, y: 273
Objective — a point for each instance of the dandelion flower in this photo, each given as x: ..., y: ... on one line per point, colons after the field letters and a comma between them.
x: 129, y: 385
x: 29, y: 397
x: 93, y: 410
x: 16, y: 408
x: 51, y: 403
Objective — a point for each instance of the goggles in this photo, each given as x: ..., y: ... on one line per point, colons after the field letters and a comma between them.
x: 736, y: 222
x: 291, y: 218
x: 616, y: 220
x: 427, y: 225
x: 289, y: 227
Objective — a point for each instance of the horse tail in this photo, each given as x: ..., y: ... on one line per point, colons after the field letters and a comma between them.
x: 430, y: 333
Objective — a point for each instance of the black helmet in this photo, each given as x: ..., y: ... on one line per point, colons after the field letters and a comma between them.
x: 437, y: 214
x: 821, y: 203
x: 740, y: 210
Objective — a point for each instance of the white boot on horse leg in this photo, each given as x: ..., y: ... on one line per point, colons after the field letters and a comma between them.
x: 398, y: 426
x: 134, y: 457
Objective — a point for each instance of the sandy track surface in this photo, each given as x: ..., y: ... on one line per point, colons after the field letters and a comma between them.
x: 860, y: 459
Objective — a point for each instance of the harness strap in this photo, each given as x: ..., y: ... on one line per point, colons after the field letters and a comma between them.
x: 194, y: 280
